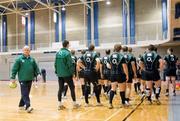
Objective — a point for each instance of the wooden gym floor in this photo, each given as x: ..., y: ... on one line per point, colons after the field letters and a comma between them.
x: 44, y: 101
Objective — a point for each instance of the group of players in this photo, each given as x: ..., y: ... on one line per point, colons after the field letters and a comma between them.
x: 120, y: 69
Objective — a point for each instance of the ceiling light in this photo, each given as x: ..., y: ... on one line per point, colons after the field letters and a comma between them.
x: 108, y: 2
x: 63, y: 8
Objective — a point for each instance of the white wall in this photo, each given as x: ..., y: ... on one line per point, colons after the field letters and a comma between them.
x: 148, y: 20
x: 75, y: 22
x: 147, y: 14
x: 110, y: 21
x: 16, y: 31
x: 44, y: 28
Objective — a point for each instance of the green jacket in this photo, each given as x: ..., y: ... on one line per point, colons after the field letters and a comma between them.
x: 63, y: 63
x: 26, y: 67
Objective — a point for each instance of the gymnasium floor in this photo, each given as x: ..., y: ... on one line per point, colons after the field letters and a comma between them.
x: 44, y: 102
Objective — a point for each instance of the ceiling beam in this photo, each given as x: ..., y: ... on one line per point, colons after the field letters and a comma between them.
x: 9, y: 1
x: 86, y: 4
x: 53, y: 7
x: 49, y: 7
x: 11, y: 10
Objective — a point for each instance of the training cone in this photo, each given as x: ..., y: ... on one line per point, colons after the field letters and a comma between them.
x: 12, y: 85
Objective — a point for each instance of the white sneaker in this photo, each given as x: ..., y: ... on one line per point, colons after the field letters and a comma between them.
x: 110, y: 106
x: 61, y: 107
x: 124, y: 106
x: 29, y: 110
x: 149, y: 102
x: 75, y: 106
x: 167, y: 94
x: 89, y: 96
x: 174, y: 94
x: 82, y: 97
x: 127, y: 103
x: 21, y: 108
x: 158, y: 102
x: 64, y: 97
x: 153, y: 97
x: 99, y: 104
x: 87, y: 105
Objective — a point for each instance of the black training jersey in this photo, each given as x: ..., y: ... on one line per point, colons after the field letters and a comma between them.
x: 104, y: 62
x: 171, y: 61
x: 129, y: 59
x: 151, y: 61
x: 116, y: 60
x: 74, y: 61
x: 89, y: 60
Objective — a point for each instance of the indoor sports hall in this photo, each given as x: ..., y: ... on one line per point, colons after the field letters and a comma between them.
x: 39, y: 40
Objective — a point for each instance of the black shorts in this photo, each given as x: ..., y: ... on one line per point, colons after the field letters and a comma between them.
x: 130, y: 78
x: 81, y: 74
x: 151, y: 75
x: 120, y: 78
x: 106, y: 77
x: 139, y: 74
x: 92, y: 77
x: 170, y: 72
x: 99, y: 75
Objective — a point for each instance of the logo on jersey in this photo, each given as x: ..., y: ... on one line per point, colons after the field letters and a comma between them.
x: 149, y: 57
x: 114, y: 60
x: 172, y: 58
x: 105, y: 60
x: 88, y: 59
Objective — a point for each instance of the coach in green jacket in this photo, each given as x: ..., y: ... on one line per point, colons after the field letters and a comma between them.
x: 27, y: 69
x: 64, y: 69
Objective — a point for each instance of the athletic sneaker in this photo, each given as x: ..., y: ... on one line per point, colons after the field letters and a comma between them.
x: 29, y: 110
x: 158, y: 102
x: 89, y: 96
x: 61, y: 107
x: 76, y: 105
x: 64, y: 97
x: 110, y: 106
x: 124, y: 106
x: 99, y: 104
x: 153, y: 97
x: 167, y: 94
x: 82, y: 97
x: 174, y: 93
x: 127, y: 103
x: 149, y: 102
x: 87, y: 105
x: 21, y: 108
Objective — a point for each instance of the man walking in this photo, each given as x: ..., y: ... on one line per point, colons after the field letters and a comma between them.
x: 64, y: 69
x: 27, y: 69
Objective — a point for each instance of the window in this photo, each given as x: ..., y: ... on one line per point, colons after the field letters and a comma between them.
x: 177, y: 10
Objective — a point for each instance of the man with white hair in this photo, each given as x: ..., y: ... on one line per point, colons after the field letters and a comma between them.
x: 27, y: 69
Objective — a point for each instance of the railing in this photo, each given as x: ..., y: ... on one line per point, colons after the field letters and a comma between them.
x: 80, y: 44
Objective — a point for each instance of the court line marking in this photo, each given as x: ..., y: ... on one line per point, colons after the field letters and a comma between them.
x: 80, y: 114
x: 114, y: 114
